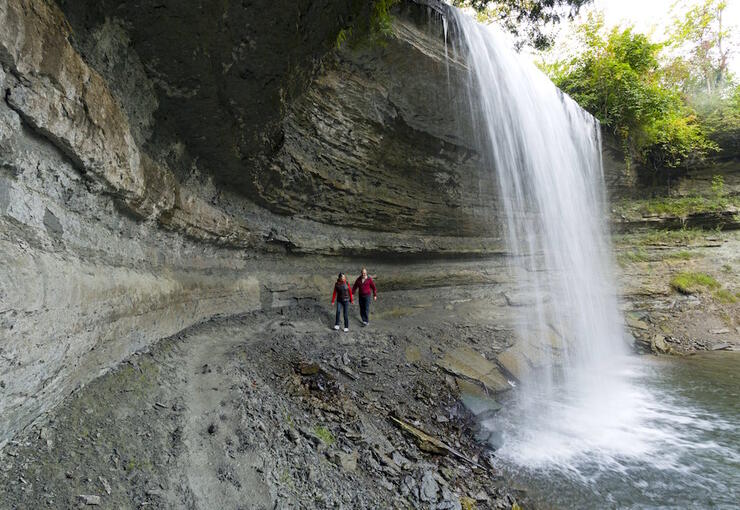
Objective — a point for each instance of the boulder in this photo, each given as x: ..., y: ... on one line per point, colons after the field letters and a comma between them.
x: 659, y: 345
x: 465, y: 362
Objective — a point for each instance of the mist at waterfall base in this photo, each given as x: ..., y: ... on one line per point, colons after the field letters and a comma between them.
x: 591, y: 425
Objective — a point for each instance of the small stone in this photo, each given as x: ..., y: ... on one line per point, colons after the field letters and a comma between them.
x: 448, y: 473
x: 292, y: 435
x: 305, y: 368
x: 721, y: 346
x: 450, y: 501
x: 401, y: 460
x: 89, y: 500
x: 428, y: 487
x: 481, y: 496
x: 212, y: 428
x: 721, y: 331
x: 347, y: 461
x: 409, y: 488
x: 105, y: 484
x: 315, y: 440
x: 386, y: 484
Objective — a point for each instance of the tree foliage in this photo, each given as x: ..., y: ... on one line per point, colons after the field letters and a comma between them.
x: 526, y: 19
x: 618, y: 77
x: 373, y: 23
x: 698, y: 50
x: 701, y: 48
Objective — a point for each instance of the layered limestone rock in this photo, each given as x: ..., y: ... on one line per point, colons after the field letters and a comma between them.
x: 164, y: 163
x: 151, y: 164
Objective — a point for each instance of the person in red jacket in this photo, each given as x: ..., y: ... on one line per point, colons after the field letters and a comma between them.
x: 343, y: 295
x: 367, y: 289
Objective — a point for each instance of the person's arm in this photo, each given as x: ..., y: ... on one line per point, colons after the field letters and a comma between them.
x: 334, y: 295
x: 356, y: 285
x: 350, y: 295
x: 375, y: 291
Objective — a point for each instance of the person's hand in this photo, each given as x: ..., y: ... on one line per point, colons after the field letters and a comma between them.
x: 375, y: 298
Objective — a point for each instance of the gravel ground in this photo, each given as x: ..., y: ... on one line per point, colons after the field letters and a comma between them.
x: 273, y: 410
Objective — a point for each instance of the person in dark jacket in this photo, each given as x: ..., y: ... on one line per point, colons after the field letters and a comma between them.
x: 367, y: 290
x: 343, y: 295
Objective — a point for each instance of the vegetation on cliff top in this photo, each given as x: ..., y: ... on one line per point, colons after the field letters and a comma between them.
x: 672, y: 103
x: 373, y: 22
x: 527, y: 20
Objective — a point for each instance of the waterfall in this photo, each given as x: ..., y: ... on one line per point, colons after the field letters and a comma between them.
x: 545, y: 153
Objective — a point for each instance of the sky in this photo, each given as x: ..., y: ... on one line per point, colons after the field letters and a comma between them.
x: 652, y: 16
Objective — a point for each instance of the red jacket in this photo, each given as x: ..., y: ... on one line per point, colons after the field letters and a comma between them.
x: 366, y: 288
x: 336, y: 288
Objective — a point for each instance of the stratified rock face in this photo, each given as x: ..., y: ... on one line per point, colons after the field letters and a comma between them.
x: 162, y: 164
x: 374, y: 144
x: 370, y: 139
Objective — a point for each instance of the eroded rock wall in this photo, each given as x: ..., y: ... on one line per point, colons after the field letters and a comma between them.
x: 84, y: 281
x: 162, y: 164
x: 149, y: 180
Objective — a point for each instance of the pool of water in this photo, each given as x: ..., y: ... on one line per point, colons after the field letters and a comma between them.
x: 666, y: 436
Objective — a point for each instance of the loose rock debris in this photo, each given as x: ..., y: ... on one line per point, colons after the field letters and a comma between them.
x: 271, y: 417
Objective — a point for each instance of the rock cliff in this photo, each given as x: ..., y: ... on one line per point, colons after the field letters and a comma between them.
x: 162, y: 164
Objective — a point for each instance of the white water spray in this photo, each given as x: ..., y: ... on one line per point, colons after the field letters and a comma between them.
x: 545, y: 152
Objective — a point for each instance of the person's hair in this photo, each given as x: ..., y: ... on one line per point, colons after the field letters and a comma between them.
x: 363, y: 269
x: 339, y: 277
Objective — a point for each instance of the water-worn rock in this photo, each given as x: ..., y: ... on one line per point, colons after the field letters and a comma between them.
x: 659, y: 345
x: 90, y: 500
x: 465, y: 362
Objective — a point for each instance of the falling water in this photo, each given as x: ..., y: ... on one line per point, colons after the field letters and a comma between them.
x: 589, y: 425
x: 545, y: 153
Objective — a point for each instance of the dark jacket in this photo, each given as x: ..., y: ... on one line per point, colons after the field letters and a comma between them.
x: 342, y: 292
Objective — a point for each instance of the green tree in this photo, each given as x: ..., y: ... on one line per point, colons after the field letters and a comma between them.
x: 526, y: 19
x: 700, y: 50
x: 700, y: 43
x: 618, y: 78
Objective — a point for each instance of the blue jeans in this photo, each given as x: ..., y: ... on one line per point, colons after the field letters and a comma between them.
x: 343, y: 305
x: 365, y: 307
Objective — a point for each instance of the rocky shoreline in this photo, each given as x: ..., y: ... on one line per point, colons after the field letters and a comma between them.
x: 680, y: 288
x: 268, y: 410
x: 274, y: 409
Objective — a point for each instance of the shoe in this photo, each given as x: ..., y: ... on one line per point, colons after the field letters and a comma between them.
x: 336, y: 327
x: 365, y: 323
x: 346, y: 329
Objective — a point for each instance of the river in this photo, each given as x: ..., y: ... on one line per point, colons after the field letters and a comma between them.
x: 681, y: 449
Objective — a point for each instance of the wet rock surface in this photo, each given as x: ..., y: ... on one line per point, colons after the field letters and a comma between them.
x: 663, y: 320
